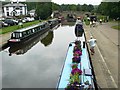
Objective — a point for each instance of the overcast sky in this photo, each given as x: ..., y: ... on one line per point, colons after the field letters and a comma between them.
x: 93, y: 2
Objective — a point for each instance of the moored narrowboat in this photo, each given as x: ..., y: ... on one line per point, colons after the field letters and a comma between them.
x: 79, y: 30
x: 24, y: 34
x: 53, y: 22
x: 22, y: 48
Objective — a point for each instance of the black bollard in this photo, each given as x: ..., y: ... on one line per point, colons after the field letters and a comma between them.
x: 84, y: 44
x: 70, y: 45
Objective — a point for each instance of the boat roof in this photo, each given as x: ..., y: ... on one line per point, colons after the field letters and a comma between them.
x: 27, y: 28
x: 54, y: 19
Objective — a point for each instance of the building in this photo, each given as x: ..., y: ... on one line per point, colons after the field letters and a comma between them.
x: 14, y: 9
x: 0, y: 11
x: 32, y: 12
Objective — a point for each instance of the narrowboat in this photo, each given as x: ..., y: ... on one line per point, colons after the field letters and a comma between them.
x: 22, y: 48
x: 77, y: 72
x: 24, y: 34
x: 53, y: 22
x: 79, y: 30
x: 71, y: 17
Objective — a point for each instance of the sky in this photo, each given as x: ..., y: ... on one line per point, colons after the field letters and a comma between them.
x: 93, y: 2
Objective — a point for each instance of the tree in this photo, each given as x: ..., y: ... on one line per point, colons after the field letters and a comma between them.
x: 72, y: 7
x: 43, y: 10
x: 84, y: 7
x: 48, y: 39
x: 78, y: 7
x: 31, y: 5
x: 109, y: 9
x: 55, y: 6
x: 90, y: 7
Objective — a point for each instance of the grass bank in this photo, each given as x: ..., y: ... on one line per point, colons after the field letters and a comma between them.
x: 16, y: 27
x: 116, y: 27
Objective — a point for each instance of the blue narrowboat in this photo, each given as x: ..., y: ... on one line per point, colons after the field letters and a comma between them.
x: 77, y: 72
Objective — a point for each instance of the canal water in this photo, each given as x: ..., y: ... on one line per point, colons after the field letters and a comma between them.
x: 37, y: 63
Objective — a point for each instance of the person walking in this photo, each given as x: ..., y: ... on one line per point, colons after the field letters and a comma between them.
x: 92, y: 43
x: 100, y: 21
x: 79, y: 21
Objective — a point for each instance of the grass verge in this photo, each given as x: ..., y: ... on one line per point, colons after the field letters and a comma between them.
x: 16, y: 27
x: 116, y: 27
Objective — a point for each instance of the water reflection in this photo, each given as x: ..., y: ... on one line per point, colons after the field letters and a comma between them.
x: 22, y: 48
x: 40, y: 66
x: 68, y: 23
x: 4, y: 47
x: 48, y: 39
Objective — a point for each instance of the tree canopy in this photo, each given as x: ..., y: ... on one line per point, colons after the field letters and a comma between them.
x: 110, y: 9
x: 43, y: 9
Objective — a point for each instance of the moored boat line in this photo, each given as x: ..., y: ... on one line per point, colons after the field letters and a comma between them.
x: 23, y: 34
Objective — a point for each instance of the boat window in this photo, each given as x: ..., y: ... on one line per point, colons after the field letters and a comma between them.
x: 24, y: 33
x: 20, y: 34
x: 38, y: 28
x: 17, y: 35
x: 33, y: 30
x: 46, y: 25
x: 42, y: 26
x: 27, y: 32
x: 30, y: 31
x: 13, y: 35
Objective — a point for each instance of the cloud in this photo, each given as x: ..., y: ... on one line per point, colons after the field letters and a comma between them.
x: 38, y: 0
x: 27, y: 0
x: 110, y: 0
x: 94, y: 2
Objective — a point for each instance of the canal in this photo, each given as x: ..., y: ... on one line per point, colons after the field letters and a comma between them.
x: 37, y: 63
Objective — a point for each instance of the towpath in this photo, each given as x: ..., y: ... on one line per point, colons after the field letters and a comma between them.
x: 105, y: 59
x: 4, y: 38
